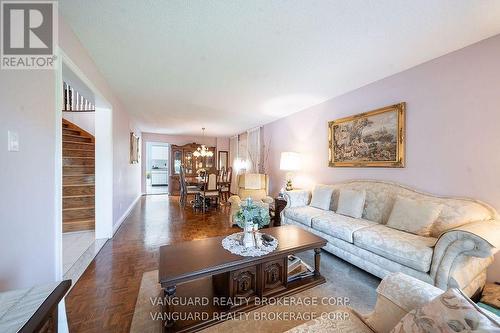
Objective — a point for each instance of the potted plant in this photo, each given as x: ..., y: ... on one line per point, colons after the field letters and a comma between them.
x: 251, y: 217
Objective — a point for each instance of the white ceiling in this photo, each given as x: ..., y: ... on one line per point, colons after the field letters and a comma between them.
x: 235, y: 64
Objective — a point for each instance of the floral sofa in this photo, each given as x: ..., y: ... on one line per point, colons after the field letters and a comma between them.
x: 405, y: 304
x: 457, y: 253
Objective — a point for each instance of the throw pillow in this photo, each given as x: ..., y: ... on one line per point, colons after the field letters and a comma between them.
x: 321, y: 197
x: 450, y: 312
x: 414, y: 216
x: 351, y: 203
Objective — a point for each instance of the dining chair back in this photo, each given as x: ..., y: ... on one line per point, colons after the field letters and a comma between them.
x: 225, y: 184
x: 182, y: 181
x: 210, y: 189
x: 211, y: 182
x: 222, y: 175
x: 229, y: 175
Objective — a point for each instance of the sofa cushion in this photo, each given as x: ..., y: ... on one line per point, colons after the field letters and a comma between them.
x: 414, y: 216
x: 303, y: 214
x: 407, y: 249
x: 321, y: 197
x: 450, y: 312
x: 339, y: 226
x: 351, y: 203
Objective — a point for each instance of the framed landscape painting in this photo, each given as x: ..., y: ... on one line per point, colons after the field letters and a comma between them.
x: 370, y: 139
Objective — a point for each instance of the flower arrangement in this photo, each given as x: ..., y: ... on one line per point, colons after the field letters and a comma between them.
x: 250, y: 212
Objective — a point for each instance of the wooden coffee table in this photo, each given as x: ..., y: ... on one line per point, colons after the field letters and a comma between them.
x: 203, y: 283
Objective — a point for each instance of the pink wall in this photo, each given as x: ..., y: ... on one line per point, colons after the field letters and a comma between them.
x: 28, y: 178
x: 453, y: 131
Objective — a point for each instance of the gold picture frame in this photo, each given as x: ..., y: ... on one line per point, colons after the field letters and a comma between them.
x: 134, y: 148
x: 369, y: 139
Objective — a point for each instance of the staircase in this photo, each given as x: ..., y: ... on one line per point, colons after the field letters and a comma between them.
x: 78, y: 178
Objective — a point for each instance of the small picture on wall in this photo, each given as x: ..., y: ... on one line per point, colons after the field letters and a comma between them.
x: 370, y: 139
x: 134, y: 148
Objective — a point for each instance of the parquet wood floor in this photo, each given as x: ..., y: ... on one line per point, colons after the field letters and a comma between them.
x: 103, y: 299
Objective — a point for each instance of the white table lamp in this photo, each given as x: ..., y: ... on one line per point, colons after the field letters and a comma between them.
x: 290, y: 161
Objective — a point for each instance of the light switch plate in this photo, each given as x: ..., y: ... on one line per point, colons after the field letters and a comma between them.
x: 13, y: 141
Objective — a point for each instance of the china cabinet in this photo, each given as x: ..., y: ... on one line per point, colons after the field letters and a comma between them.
x: 183, y: 155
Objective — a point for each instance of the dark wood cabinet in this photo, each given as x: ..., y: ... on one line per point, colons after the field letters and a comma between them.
x: 274, y: 276
x: 183, y: 155
x: 266, y: 279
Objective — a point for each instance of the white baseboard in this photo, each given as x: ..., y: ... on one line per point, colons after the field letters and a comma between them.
x: 124, y: 216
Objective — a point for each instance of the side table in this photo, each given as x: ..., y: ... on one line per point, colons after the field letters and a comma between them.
x: 279, y: 205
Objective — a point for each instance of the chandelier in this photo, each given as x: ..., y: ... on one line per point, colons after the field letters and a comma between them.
x: 202, y: 150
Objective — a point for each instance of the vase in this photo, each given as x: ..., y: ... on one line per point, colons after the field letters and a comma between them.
x: 248, y: 235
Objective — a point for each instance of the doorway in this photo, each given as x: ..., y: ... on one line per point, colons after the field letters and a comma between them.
x: 157, y: 167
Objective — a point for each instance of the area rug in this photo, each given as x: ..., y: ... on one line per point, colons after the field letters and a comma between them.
x: 345, y: 285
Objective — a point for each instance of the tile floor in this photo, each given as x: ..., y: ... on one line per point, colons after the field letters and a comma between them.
x: 79, y: 249
x: 156, y: 189
x: 74, y: 245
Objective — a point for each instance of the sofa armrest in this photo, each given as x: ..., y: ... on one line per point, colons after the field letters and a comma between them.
x: 234, y: 200
x: 397, y: 295
x: 479, y: 239
x: 297, y: 198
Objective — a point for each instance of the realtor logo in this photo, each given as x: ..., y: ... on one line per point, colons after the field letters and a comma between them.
x: 29, y: 34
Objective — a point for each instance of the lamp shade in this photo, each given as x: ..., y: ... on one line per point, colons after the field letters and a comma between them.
x: 290, y: 161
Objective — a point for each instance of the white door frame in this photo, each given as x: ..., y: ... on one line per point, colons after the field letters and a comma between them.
x: 103, y: 158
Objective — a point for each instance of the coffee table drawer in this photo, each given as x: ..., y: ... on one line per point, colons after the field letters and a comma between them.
x: 274, y: 276
x: 241, y: 283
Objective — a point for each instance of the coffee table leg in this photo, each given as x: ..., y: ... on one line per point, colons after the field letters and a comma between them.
x: 317, y: 258
x: 169, y: 308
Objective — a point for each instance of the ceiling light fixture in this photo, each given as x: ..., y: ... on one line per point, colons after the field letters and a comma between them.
x: 202, y: 150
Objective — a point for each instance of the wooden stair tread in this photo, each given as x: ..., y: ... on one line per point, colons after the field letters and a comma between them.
x: 79, y: 196
x: 81, y: 184
x: 75, y: 131
x: 78, y: 208
x: 78, y: 136
x: 80, y: 143
x: 78, y: 220
x: 82, y: 157
x: 76, y: 149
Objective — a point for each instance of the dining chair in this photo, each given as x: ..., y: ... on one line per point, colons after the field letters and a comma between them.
x: 210, y: 190
x: 225, y: 184
x: 185, y: 189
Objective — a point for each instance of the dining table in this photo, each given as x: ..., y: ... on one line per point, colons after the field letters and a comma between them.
x: 199, y: 182
x: 195, y: 181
